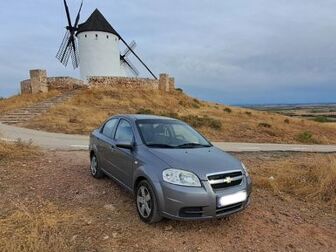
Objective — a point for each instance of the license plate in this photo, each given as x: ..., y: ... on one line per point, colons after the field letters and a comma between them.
x: 231, y: 199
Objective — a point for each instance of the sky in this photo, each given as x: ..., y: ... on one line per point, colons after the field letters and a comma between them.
x: 228, y: 51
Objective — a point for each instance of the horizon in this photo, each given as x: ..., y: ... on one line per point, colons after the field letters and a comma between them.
x: 237, y: 52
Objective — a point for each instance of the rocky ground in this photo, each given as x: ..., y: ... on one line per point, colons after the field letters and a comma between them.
x: 51, y: 202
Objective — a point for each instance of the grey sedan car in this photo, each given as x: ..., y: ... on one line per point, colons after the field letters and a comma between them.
x: 172, y: 170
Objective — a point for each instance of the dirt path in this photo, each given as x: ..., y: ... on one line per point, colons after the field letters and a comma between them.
x: 52, y: 203
x: 58, y: 141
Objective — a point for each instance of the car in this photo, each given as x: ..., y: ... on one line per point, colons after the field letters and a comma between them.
x: 173, y: 171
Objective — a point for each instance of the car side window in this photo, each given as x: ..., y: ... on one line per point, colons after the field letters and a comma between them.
x: 108, y: 127
x: 124, y: 132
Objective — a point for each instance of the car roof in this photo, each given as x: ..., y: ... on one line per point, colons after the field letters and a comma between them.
x: 143, y: 117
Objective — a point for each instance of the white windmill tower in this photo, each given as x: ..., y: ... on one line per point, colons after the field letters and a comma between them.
x: 94, y: 47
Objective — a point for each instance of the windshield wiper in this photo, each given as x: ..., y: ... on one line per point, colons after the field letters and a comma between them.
x: 192, y: 145
x: 160, y: 145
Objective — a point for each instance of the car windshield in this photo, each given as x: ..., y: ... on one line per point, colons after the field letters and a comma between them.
x: 165, y: 133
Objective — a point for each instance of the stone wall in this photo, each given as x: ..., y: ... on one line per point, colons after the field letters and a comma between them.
x: 171, y: 85
x: 25, y: 87
x: 126, y: 82
x: 39, y: 82
x: 165, y: 83
x: 64, y: 83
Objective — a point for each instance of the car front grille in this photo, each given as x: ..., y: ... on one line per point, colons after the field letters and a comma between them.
x: 225, y: 180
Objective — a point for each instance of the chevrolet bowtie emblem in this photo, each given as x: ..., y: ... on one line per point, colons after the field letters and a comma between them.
x: 227, y: 180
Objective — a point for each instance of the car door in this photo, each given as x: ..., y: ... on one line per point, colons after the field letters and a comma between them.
x: 106, y: 145
x: 122, y: 158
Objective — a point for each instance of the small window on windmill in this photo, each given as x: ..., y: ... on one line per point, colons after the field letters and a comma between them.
x: 96, y: 36
x: 107, y: 36
x: 85, y: 35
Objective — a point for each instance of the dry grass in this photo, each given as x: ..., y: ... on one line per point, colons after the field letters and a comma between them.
x: 20, y: 101
x: 89, y: 108
x: 38, y: 230
x: 16, y: 151
x: 311, y: 178
x: 53, y: 204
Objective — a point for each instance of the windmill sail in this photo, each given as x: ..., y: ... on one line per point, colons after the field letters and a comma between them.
x: 69, y: 47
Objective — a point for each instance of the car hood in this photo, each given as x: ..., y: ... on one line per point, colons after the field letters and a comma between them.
x: 201, y: 161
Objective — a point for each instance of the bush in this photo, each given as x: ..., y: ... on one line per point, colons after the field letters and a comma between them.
x: 145, y: 111
x: 286, y: 121
x: 196, y: 101
x: 248, y: 113
x: 73, y: 120
x: 170, y: 114
x: 321, y: 119
x: 196, y: 105
x: 179, y: 90
x: 215, y: 124
x: 227, y: 110
x: 306, y: 137
x: 205, y: 121
x: 265, y: 125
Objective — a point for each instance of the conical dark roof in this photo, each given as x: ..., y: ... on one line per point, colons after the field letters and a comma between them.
x: 96, y: 22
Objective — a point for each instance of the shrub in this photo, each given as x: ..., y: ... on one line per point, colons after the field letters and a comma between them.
x: 215, y: 124
x: 187, y: 104
x: 73, y: 120
x: 194, y: 121
x: 145, y: 111
x: 196, y: 101
x: 321, y: 119
x: 170, y: 114
x: 248, y: 113
x: 286, y: 121
x: 205, y: 121
x: 265, y: 125
x: 306, y: 137
x: 179, y: 90
x: 196, y: 105
x: 227, y: 110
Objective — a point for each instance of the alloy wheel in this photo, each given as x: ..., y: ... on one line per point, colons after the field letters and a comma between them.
x: 94, y: 165
x: 144, y: 202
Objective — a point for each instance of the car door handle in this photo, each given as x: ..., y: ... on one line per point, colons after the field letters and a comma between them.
x: 111, y: 147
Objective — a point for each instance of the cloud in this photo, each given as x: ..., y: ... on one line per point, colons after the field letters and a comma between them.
x: 234, y: 51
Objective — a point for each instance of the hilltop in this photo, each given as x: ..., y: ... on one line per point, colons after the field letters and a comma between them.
x: 90, y: 107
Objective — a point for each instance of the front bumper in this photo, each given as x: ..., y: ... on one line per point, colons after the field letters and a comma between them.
x: 194, y: 203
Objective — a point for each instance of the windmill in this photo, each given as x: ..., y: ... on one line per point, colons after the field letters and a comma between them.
x: 94, y: 47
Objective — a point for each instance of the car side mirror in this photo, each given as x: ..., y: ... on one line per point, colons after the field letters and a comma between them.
x: 125, y: 145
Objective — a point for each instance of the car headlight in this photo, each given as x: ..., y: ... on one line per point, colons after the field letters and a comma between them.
x: 181, y: 177
x: 245, y: 170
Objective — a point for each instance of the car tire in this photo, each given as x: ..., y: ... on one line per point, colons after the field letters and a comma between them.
x: 95, y: 170
x: 146, y: 203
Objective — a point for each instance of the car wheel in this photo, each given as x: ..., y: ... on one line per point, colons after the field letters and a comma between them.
x: 146, y: 203
x: 94, y: 167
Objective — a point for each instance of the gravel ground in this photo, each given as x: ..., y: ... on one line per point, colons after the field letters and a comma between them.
x: 85, y: 214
